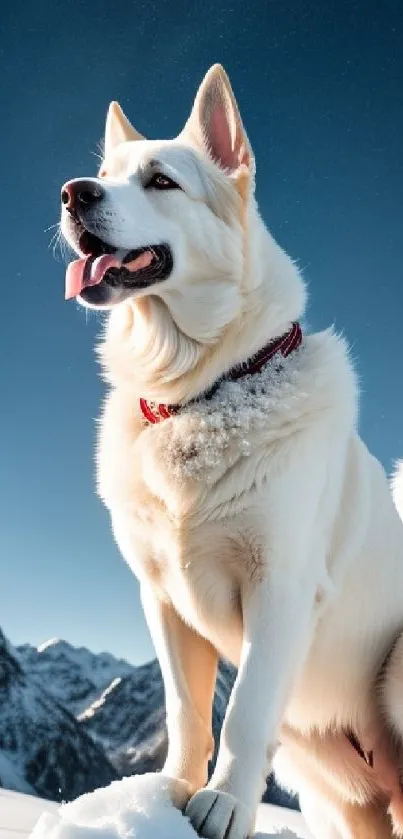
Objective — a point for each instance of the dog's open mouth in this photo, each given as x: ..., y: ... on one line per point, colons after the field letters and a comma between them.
x: 121, y: 269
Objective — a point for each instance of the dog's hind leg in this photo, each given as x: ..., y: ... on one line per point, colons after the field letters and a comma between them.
x: 390, y: 689
x: 337, y: 819
x: 337, y: 792
x: 189, y: 668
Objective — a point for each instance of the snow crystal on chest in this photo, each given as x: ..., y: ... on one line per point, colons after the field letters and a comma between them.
x: 212, y: 433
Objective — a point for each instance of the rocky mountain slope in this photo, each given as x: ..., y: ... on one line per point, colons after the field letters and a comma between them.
x: 43, y: 748
x: 73, y: 675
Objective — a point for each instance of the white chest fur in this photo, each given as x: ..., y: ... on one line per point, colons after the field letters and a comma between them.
x: 186, y: 496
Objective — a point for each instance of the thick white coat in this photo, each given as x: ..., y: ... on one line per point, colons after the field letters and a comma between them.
x: 257, y: 522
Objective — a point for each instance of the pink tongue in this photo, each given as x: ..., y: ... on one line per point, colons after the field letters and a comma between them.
x: 78, y: 278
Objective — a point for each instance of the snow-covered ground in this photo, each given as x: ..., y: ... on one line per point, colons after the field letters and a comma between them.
x: 19, y: 813
x: 138, y: 806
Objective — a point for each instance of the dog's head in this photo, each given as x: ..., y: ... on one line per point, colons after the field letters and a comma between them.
x: 171, y: 229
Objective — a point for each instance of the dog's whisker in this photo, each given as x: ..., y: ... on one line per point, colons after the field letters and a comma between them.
x: 99, y: 152
x: 54, y: 242
x: 58, y: 243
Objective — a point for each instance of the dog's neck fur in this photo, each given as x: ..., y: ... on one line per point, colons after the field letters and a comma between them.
x: 166, y: 364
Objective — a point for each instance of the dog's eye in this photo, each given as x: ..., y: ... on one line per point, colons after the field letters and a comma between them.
x: 159, y: 181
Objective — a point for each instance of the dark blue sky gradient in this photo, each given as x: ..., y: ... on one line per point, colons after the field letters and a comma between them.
x: 320, y: 87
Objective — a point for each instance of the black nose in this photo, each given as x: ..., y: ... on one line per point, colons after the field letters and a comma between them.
x: 81, y: 193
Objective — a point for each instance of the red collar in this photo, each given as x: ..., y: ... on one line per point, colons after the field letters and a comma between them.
x: 289, y: 342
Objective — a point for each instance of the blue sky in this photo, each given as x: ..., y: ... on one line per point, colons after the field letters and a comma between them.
x: 320, y: 89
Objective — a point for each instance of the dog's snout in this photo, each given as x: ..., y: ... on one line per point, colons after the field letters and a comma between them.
x: 81, y: 194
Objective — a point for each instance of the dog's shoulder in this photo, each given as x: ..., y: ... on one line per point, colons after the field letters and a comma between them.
x: 328, y: 381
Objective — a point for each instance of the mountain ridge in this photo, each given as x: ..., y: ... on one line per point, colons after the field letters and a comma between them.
x: 43, y: 749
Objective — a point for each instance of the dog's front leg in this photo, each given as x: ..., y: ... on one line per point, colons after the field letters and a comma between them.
x: 278, y: 620
x: 189, y: 667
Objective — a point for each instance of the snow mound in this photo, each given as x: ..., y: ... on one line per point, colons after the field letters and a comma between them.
x: 139, y: 807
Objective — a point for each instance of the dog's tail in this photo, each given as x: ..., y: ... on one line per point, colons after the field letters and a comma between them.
x: 397, y: 488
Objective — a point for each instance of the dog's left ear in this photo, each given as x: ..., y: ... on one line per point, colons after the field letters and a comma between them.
x: 118, y: 129
x: 215, y: 124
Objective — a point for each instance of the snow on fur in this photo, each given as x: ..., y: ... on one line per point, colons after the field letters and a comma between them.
x: 226, y: 419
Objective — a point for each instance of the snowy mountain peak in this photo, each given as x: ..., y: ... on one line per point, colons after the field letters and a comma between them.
x: 57, y: 648
x: 74, y: 675
x: 43, y: 748
x: 51, y: 643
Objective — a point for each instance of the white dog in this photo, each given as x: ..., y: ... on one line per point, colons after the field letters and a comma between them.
x: 241, y: 495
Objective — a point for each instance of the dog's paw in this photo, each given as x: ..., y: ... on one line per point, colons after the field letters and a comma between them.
x: 180, y: 792
x: 218, y: 815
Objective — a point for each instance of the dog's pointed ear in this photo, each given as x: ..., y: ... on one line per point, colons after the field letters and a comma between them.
x: 118, y: 129
x: 215, y: 123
